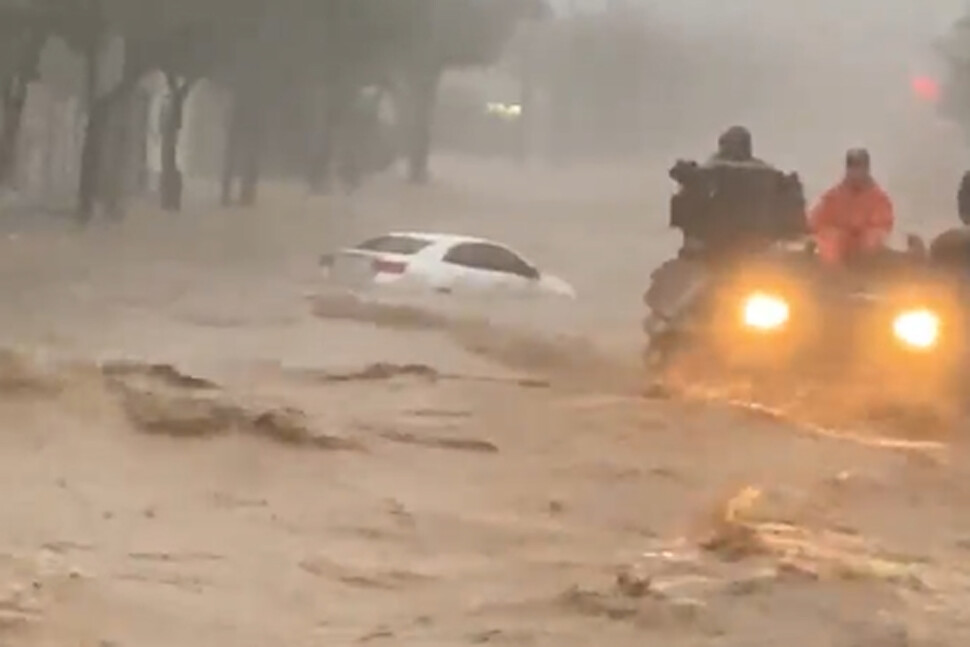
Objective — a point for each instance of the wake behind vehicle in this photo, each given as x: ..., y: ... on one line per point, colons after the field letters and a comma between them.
x: 772, y: 310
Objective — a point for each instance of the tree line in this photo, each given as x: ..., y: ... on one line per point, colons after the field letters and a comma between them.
x: 954, y: 48
x: 268, y: 55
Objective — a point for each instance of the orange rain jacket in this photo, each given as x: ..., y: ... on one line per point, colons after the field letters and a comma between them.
x: 848, y: 220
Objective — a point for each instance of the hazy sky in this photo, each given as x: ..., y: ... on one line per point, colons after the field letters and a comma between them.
x: 920, y: 17
x: 836, y: 73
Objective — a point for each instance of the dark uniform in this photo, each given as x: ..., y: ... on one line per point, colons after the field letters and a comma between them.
x: 951, y: 248
x: 734, y: 200
x: 963, y: 199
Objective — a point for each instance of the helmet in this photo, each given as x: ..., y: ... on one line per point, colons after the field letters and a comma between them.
x: 735, y: 143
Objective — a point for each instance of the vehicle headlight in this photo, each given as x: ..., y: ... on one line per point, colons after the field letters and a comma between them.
x: 918, y: 329
x: 765, y: 311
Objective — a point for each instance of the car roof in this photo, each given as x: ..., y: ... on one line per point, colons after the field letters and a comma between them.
x: 443, y: 239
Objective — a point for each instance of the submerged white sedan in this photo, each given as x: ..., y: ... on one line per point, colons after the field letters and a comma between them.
x: 440, y: 263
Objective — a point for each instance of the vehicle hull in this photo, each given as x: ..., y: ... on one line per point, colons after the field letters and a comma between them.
x: 841, y: 330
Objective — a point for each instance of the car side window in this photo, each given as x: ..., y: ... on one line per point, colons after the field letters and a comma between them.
x: 491, y: 258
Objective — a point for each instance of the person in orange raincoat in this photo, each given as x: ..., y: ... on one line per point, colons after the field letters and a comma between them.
x: 853, y: 218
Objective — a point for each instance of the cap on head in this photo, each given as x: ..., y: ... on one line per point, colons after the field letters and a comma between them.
x: 857, y: 158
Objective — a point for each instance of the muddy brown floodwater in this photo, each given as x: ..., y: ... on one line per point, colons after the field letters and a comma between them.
x: 200, y: 446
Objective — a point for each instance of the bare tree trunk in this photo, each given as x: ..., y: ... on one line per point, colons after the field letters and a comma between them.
x: 118, y: 156
x: 243, y: 153
x: 171, y: 184
x: 334, y: 112
x: 14, y: 99
x: 15, y: 91
x: 230, y: 157
x: 139, y: 150
x: 113, y: 185
x: 92, y: 73
x: 50, y: 185
x: 91, y: 160
x: 251, y: 156
x: 424, y: 94
x: 93, y: 150
x: 320, y: 164
x: 251, y: 123
x: 320, y: 171
x: 93, y: 134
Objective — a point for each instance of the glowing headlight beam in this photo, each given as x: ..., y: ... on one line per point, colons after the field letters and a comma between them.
x: 918, y: 329
x: 765, y: 312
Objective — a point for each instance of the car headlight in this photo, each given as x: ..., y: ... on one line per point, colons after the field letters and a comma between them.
x: 765, y: 311
x: 918, y: 329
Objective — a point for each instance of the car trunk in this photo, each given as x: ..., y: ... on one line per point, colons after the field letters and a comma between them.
x: 358, y: 268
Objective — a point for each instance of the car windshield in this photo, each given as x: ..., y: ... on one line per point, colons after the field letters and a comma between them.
x: 404, y: 245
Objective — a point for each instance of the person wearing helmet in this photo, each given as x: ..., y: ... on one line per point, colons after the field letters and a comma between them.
x: 855, y: 217
x: 734, y: 202
x: 735, y: 146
